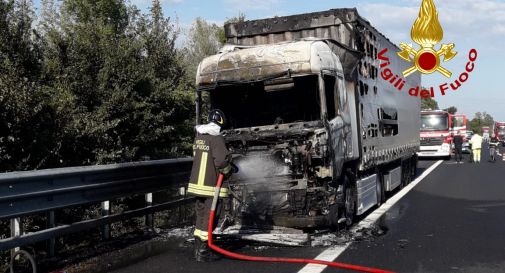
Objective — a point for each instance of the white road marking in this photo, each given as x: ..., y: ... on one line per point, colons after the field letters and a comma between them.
x: 332, y: 253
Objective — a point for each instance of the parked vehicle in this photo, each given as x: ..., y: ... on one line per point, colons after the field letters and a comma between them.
x: 467, y: 147
x: 499, y: 131
x: 317, y: 135
x: 435, y: 134
x: 459, y: 127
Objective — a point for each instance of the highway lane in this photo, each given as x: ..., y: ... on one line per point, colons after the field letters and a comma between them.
x: 450, y: 222
x: 454, y: 221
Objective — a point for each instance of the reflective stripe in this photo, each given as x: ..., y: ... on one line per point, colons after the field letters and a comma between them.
x: 203, y: 235
x: 206, y: 190
x: 203, y: 169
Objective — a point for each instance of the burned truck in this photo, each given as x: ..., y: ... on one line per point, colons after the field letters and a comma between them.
x: 318, y: 136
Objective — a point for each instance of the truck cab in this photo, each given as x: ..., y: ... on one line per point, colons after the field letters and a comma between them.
x: 459, y: 128
x: 435, y: 134
x: 289, y: 127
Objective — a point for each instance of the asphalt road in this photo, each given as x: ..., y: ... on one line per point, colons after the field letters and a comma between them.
x: 452, y: 221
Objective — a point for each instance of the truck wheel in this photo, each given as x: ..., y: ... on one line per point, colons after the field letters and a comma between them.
x: 405, y: 174
x: 349, y: 209
x: 414, y: 167
x: 408, y: 176
x: 333, y: 217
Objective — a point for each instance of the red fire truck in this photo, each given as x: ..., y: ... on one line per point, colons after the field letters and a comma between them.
x: 458, y: 124
x: 459, y: 127
x: 499, y: 131
x: 435, y: 134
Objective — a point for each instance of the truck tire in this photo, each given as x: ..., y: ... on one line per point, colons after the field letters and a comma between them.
x: 349, y: 209
x: 406, y: 173
x: 413, y: 167
x: 333, y: 217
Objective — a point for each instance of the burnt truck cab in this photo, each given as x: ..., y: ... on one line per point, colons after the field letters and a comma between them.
x: 288, y: 127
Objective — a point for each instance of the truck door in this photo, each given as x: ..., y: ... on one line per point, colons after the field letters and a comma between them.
x: 334, y: 120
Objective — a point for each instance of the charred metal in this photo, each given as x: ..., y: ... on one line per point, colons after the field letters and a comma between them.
x: 317, y: 135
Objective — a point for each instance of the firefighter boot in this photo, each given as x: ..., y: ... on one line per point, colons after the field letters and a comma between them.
x: 203, y: 253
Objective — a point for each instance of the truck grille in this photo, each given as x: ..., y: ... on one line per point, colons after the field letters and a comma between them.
x: 431, y: 141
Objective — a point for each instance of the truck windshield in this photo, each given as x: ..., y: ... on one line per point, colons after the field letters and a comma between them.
x: 248, y: 105
x: 434, y: 122
x: 501, y: 130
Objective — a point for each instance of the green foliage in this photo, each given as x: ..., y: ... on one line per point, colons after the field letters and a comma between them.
x: 240, y: 18
x: 451, y: 110
x: 25, y: 120
x: 204, y: 39
x: 429, y: 104
x: 480, y: 120
x: 236, y: 19
x: 93, y: 82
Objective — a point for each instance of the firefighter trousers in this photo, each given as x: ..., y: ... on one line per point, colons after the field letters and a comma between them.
x: 476, y: 155
x: 202, y: 211
x: 458, y: 154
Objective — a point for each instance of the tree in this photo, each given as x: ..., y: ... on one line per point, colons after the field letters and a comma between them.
x: 25, y: 119
x: 203, y: 40
x: 115, y: 77
x: 236, y: 19
x: 481, y: 120
x: 451, y: 110
x: 240, y: 18
x: 94, y: 82
x: 429, y: 104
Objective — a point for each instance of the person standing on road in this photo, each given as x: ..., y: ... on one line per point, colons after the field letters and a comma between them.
x: 493, y: 148
x: 458, y: 147
x: 210, y: 157
x: 476, y: 142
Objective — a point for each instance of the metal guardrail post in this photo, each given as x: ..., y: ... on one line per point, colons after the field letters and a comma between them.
x: 106, y: 227
x: 15, y: 232
x: 180, y: 210
x: 149, y: 203
x: 51, y: 242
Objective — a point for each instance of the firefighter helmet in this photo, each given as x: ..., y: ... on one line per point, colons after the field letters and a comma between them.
x: 217, y: 116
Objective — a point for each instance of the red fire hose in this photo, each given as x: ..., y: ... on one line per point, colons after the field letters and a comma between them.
x: 273, y: 259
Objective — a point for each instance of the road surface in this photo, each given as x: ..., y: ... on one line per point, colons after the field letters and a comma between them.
x: 452, y: 220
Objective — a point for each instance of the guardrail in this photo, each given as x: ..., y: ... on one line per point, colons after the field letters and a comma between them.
x: 30, y: 192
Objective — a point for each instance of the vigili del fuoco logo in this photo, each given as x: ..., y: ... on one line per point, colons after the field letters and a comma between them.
x: 427, y: 33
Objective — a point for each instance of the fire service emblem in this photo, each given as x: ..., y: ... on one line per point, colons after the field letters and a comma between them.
x: 427, y: 32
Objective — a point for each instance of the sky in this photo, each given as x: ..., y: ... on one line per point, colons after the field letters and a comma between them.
x: 469, y: 24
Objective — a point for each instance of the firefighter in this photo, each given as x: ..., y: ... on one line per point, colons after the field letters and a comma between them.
x: 476, y: 142
x: 458, y: 147
x: 493, y: 148
x: 210, y: 157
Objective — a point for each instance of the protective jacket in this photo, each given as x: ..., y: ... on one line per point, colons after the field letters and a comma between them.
x: 458, y: 141
x: 476, y: 142
x: 210, y: 157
